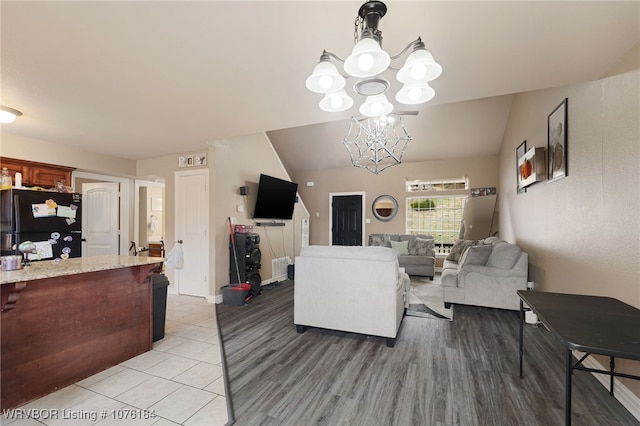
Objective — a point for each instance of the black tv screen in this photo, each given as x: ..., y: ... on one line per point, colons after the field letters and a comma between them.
x: 276, y: 198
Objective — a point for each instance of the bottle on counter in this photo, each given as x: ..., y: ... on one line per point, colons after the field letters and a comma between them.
x: 5, y: 180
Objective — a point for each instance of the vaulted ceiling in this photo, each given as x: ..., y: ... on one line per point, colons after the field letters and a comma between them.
x: 146, y: 79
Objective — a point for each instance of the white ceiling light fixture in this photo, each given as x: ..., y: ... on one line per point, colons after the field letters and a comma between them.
x: 411, y: 94
x: 8, y: 115
x: 376, y: 106
x: 336, y: 101
x: 368, y: 60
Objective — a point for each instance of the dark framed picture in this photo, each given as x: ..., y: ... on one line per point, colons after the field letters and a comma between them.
x: 557, y: 142
x: 520, y: 151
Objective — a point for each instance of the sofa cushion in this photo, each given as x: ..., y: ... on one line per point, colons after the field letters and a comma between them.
x: 382, y: 240
x: 504, y: 255
x: 406, y: 260
x: 402, y: 247
x: 475, y: 255
x: 421, y: 246
x: 459, y: 248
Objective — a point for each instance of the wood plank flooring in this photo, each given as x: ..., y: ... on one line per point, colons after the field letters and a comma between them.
x: 461, y: 372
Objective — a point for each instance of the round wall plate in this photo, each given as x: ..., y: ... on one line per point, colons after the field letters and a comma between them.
x: 371, y: 86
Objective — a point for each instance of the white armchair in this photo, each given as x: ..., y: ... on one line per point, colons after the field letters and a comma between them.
x: 350, y: 288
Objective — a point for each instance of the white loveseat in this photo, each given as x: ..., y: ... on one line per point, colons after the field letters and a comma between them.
x: 485, y: 273
x: 350, y: 288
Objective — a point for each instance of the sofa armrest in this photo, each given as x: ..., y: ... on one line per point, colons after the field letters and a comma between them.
x: 404, y: 287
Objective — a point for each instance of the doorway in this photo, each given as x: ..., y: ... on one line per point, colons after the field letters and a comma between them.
x: 192, y: 229
x: 149, y: 214
x: 124, y: 201
x: 346, y: 219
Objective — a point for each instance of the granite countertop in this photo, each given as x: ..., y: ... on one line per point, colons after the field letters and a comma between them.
x: 79, y: 265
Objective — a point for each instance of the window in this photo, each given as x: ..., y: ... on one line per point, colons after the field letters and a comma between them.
x: 438, y: 213
x: 437, y: 185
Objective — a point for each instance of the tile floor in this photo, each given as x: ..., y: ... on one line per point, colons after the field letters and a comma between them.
x: 179, y: 382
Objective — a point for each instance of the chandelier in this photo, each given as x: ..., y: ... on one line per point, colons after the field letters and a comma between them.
x: 376, y: 143
x: 366, y: 62
x: 377, y: 138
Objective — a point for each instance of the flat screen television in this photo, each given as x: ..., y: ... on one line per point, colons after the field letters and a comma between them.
x: 276, y: 198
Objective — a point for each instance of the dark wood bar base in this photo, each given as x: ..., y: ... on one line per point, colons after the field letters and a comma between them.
x: 64, y: 329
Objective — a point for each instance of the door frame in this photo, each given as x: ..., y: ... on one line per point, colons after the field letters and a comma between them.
x: 126, y: 201
x: 136, y: 207
x: 364, y: 203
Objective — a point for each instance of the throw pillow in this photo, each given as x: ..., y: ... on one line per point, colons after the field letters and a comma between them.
x: 382, y: 240
x: 475, y: 255
x: 421, y: 246
x: 459, y: 248
x: 402, y: 247
x: 490, y: 240
x: 504, y: 255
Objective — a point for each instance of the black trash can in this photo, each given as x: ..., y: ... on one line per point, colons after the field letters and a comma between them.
x: 160, y: 283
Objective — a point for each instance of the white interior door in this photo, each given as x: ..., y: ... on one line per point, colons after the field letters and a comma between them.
x: 100, y: 214
x: 192, y: 227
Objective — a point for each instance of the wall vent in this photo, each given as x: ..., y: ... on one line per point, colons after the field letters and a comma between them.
x: 279, y: 268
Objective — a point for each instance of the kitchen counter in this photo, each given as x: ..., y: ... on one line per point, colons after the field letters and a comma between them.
x: 50, y: 268
x: 63, y: 321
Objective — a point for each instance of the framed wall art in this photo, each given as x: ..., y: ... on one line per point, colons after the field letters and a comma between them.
x: 520, y: 151
x: 557, y: 142
x: 533, y: 166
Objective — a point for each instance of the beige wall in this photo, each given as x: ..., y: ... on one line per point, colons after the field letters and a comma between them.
x: 238, y: 161
x: 162, y: 169
x: 49, y: 152
x: 582, y: 233
x: 481, y: 171
x: 231, y: 163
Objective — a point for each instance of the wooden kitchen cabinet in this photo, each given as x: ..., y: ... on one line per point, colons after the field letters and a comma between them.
x: 37, y: 174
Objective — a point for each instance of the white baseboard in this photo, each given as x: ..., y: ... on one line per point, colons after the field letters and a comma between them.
x: 210, y: 299
x: 628, y: 399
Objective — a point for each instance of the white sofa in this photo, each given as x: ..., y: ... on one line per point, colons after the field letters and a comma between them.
x: 350, y: 288
x: 485, y: 273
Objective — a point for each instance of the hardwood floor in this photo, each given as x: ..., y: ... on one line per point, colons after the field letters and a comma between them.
x: 461, y: 372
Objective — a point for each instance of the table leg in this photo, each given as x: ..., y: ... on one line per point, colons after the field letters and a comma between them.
x: 521, y: 334
x: 611, y: 368
x: 569, y: 372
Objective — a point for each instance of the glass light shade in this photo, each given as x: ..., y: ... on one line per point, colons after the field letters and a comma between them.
x: 412, y: 94
x: 420, y: 67
x: 367, y: 59
x: 375, y: 106
x: 336, y: 102
x: 8, y: 115
x: 325, y: 78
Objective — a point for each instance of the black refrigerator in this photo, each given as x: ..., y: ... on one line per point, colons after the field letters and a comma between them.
x: 51, y: 220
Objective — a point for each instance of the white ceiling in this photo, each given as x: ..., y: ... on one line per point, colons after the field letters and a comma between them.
x: 146, y: 79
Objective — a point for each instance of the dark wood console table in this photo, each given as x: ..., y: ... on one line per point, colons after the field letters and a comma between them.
x: 590, y: 324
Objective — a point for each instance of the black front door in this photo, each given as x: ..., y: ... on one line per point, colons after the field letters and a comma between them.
x: 346, y: 213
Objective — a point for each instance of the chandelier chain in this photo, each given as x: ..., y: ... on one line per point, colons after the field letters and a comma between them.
x: 359, y: 24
